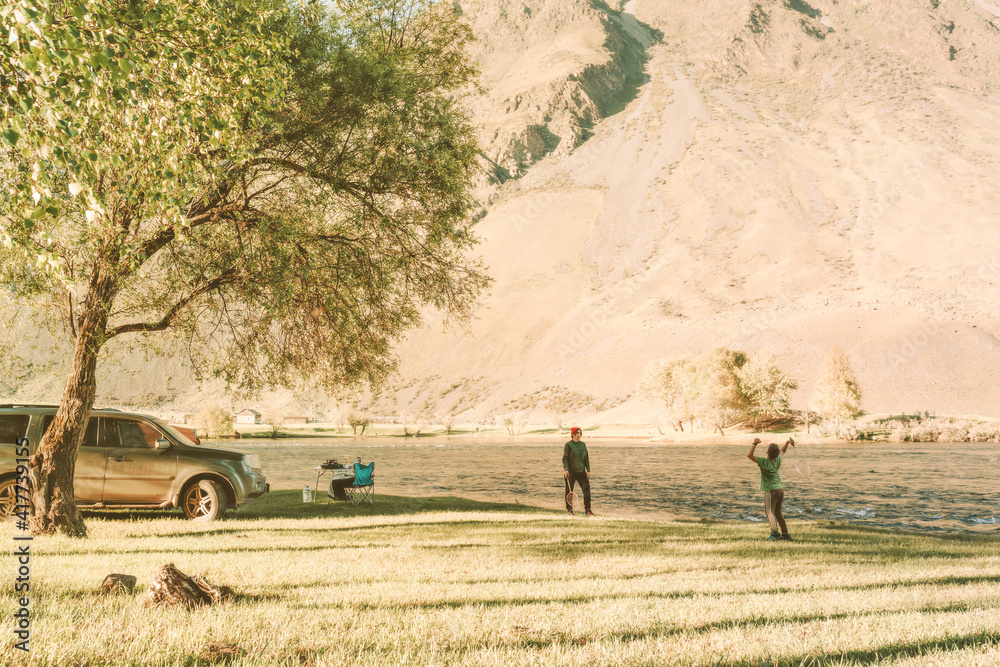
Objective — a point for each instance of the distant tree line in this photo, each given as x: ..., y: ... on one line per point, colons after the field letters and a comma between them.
x: 723, y: 388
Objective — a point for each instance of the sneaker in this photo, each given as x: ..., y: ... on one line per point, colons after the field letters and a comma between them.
x: 787, y: 538
x: 570, y: 512
x: 773, y: 537
x: 589, y: 513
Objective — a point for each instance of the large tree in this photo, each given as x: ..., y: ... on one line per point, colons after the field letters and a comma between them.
x: 277, y: 190
x: 766, y: 388
x: 719, y: 397
x: 719, y: 386
x: 664, y: 383
x: 704, y: 386
x: 837, y: 394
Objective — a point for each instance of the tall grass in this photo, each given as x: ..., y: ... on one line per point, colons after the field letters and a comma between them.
x: 451, y: 582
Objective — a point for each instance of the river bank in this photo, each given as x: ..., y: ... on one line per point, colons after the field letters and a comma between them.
x: 884, y: 427
x: 912, y: 486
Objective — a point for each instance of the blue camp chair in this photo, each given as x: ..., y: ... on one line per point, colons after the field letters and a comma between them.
x: 363, y: 487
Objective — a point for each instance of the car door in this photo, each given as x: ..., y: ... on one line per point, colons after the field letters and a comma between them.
x: 137, y: 474
x: 88, y: 475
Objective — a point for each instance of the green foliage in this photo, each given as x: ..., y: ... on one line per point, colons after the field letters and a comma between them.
x: 358, y: 420
x: 274, y: 419
x: 214, y: 421
x: 766, y: 389
x: 717, y: 396
x: 837, y: 392
x: 904, y: 428
x: 704, y: 386
x: 126, y: 106
x: 280, y: 188
x: 720, y: 387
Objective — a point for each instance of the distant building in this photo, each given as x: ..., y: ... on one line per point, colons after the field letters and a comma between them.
x: 248, y: 416
x: 296, y: 420
x: 188, y: 419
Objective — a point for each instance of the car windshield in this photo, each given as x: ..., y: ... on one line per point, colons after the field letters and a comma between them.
x: 174, y: 433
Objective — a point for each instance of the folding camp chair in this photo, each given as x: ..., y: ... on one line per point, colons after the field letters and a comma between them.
x: 363, y: 487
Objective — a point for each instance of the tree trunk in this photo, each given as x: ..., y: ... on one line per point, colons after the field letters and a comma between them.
x: 681, y: 425
x: 721, y: 432
x: 53, y: 464
x: 171, y: 587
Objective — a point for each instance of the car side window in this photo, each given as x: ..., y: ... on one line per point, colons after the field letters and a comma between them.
x: 109, y: 433
x: 89, y: 439
x: 136, y: 433
x: 13, y: 427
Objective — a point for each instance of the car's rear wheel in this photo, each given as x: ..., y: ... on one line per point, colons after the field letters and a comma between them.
x: 204, y: 501
x: 8, y: 497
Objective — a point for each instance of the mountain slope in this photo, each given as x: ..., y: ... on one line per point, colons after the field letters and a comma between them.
x: 791, y: 175
x: 664, y: 176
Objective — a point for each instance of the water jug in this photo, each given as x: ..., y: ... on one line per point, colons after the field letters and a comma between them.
x: 307, y: 494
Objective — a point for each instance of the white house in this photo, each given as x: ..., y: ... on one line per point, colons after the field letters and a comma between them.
x: 248, y: 416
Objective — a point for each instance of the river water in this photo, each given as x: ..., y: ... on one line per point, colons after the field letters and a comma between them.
x: 928, y: 486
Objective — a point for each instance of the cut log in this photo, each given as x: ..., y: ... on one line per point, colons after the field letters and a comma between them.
x: 117, y: 583
x: 217, y: 594
x: 172, y: 588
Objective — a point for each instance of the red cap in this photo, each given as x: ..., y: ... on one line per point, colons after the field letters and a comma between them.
x: 575, y: 430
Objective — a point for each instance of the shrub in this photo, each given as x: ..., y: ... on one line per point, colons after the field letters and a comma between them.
x: 274, y: 419
x: 925, y: 431
x: 514, y: 423
x: 357, y: 420
x: 899, y: 432
x: 837, y: 392
x: 214, y: 421
x: 412, y: 423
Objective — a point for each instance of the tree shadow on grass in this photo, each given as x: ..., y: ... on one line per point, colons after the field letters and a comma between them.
x: 287, y: 504
x: 883, y: 654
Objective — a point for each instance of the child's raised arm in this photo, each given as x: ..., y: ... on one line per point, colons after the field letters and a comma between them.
x: 750, y: 454
x: 785, y: 446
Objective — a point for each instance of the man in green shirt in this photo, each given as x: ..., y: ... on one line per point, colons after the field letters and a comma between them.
x: 576, y: 468
x: 770, y: 484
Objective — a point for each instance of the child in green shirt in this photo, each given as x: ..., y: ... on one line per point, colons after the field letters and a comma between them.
x: 770, y: 484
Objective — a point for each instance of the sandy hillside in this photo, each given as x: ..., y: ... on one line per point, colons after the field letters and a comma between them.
x: 664, y: 176
x: 785, y: 175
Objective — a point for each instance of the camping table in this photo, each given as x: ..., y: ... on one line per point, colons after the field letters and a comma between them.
x: 343, y: 477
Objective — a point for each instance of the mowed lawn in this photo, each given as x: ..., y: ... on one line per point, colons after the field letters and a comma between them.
x: 447, y: 581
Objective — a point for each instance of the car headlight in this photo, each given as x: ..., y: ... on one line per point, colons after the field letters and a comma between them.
x: 251, y: 462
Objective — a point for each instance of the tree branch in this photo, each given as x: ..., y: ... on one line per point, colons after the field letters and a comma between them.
x: 146, y: 327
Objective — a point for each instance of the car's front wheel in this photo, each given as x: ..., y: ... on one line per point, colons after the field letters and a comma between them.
x: 204, y: 501
x: 8, y: 497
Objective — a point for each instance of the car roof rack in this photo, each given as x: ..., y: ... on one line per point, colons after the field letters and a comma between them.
x: 47, y: 405
x: 27, y: 405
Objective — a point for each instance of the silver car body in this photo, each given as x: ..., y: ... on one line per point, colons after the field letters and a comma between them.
x: 124, y: 462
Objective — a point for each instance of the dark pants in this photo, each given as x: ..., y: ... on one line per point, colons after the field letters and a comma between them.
x: 339, y: 488
x: 772, y: 507
x: 581, y: 477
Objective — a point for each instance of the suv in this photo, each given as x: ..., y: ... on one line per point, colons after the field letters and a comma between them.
x: 134, y: 460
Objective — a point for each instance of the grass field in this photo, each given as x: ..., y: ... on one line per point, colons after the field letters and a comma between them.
x: 445, y: 581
